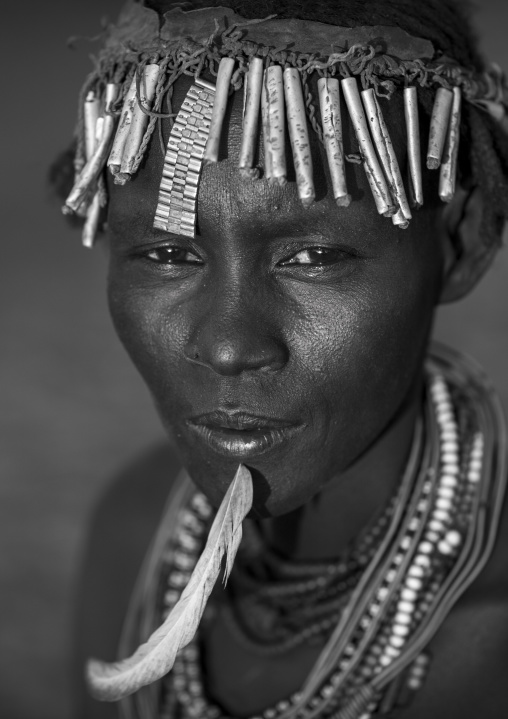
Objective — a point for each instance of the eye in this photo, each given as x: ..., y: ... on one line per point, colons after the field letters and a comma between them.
x: 168, y: 255
x: 315, y: 256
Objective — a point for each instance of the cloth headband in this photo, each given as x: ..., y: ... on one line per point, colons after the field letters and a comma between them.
x: 130, y: 92
x: 139, y: 26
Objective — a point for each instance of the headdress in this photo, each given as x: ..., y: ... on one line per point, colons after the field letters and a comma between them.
x: 125, y: 99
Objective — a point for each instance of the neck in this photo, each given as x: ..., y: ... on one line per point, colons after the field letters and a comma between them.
x: 349, y: 502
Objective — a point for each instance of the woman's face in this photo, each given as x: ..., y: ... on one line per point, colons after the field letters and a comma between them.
x: 283, y: 338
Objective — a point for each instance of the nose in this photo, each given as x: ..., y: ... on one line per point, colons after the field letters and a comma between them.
x: 232, y: 337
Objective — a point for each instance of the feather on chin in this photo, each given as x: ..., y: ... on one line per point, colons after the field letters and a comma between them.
x: 155, y: 658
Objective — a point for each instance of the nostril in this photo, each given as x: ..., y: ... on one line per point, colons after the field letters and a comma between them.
x: 236, y: 347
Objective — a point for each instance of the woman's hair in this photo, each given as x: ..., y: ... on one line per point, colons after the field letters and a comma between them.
x: 484, y: 149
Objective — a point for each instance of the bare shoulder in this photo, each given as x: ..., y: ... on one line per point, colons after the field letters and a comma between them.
x: 467, y: 676
x: 120, y: 530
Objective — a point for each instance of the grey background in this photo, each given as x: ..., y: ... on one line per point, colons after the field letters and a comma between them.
x: 73, y: 410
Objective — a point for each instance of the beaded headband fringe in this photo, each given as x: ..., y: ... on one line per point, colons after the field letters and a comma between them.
x: 130, y: 92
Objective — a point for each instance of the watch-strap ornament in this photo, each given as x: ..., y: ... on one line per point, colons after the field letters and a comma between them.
x: 176, y: 206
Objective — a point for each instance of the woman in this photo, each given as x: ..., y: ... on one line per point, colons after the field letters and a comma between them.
x: 282, y: 324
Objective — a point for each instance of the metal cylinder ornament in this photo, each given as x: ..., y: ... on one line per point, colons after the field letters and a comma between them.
x: 91, y: 113
x: 400, y: 220
x: 91, y: 226
x: 299, y: 136
x: 266, y: 132
x: 329, y: 102
x: 93, y: 211
x: 439, y: 127
x: 448, y: 172
x: 274, y: 124
x: 386, y: 152
x: 373, y: 170
x: 139, y: 122
x: 414, y: 153
x: 93, y: 167
x: 224, y: 75
x: 116, y: 154
x: 252, y: 105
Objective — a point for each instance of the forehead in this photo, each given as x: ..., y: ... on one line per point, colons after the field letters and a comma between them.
x: 227, y: 202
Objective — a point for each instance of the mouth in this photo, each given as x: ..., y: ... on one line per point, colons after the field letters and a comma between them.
x: 240, y: 434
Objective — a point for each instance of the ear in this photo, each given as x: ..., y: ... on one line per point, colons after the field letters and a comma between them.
x: 466, y: 256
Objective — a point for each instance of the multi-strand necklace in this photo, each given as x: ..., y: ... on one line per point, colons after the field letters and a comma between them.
x: 379, y: 605
x: 277, y: 604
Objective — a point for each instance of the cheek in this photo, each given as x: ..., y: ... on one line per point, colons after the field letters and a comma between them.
x: 152, y: 335
x: 362, y: 352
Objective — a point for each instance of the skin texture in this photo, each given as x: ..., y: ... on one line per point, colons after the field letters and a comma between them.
x: 319, y: 317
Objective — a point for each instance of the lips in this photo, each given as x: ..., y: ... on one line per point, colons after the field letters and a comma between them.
x: 241, y: 434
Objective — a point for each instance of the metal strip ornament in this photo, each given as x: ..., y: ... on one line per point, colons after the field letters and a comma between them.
x: 176, y: 206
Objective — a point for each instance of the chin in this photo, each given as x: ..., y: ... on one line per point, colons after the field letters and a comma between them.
x: 280, y: 486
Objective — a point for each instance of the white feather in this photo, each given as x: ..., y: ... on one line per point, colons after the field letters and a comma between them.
x: 155, y: 658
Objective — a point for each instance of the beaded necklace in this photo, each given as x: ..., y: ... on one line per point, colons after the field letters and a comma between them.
x: 289, y: 603
x: 434, y: 539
